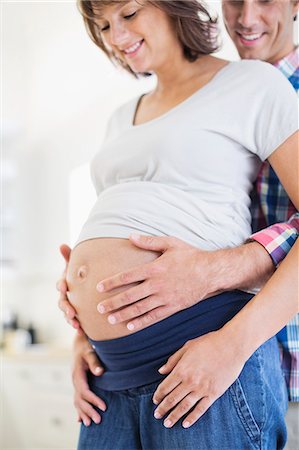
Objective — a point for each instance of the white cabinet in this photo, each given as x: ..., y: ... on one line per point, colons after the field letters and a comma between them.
x: 37, y: 409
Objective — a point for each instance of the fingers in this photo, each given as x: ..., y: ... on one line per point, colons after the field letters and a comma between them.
x: 61, y: 286
x: 167, y: 386
x: 66, y: 307
x: 200, y: 409
x: 124, y: 298
x: 134, y: 275
x: 85, y: 400
x: 93, y: 363
x: 180, y: 401
x: 86, y: 412
x: 172, y: 362
x: 149, y: 318
x: 69, y: 313
x: 65, y: 251
x: 155, y: 243
x: 182, y: 408
x: 170, y: 401
x: 135, y: 310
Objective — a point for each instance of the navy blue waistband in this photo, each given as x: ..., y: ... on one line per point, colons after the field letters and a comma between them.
x: 134, y: 360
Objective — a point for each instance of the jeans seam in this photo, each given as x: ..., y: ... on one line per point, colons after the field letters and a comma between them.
x: 243, y: 409
x: 243, y: 412
x: 260, y: 359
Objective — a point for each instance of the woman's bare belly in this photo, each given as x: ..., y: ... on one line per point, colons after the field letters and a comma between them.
x: 90, y: 262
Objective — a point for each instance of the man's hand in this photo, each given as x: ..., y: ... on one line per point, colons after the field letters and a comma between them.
x: 85, y: 359
x: 61, y: 285
x: 199, y: 373
x: 182, y: 276
x: 176, y: 280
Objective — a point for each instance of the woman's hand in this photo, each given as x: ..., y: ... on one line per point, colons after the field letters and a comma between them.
x: 199, y: 373
x: 85, y: 359
x: 61, y: 285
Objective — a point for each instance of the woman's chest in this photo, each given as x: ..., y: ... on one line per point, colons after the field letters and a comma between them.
x: 179, y: 150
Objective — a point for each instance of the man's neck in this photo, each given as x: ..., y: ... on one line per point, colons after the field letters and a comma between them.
x: 282, y: 55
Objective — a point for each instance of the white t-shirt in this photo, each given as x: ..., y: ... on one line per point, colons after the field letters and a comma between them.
x: 189, y: 172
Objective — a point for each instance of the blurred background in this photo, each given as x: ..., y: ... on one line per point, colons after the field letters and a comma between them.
x: 58, y: 92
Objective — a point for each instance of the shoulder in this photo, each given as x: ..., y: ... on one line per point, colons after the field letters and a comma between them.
x: 121, y: 118
x: 124, y: 111
x: 259, y: 72
x: 255, y: 79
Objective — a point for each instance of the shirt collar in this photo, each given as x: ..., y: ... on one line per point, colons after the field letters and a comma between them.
x: 290, y: 63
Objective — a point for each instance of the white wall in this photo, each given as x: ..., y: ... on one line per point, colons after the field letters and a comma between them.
x: 58, y: 91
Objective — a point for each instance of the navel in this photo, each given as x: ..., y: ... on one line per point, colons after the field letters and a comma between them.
x: 82, y: 272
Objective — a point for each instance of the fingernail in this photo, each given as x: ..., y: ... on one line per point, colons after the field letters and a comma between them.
x: 112, y: 320
x: 134, y: 236
x: 157, y: 415
x: 86, y: 423
x: 96, y: 420
x: 167, y: 423
x: 130, y: 326
x: 101, y: 308
x: 98, y: 369
x: 102, y: 408
x: 100, y: 287
x: 186, y: 424
x: 67, y: 312
x: 155, y: 402
x: 161, y: 369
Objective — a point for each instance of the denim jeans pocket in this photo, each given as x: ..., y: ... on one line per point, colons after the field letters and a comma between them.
x: 245, y: 413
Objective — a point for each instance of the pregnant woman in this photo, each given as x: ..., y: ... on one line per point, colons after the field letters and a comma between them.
x: 178, y: 161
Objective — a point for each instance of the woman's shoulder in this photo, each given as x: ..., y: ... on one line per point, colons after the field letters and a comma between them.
x: 121, y: 117
x: 124, y: 109
x: 254, y: 76
x: 257, y: 70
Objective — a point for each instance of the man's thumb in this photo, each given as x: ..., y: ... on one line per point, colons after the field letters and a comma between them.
x: 155, y: 243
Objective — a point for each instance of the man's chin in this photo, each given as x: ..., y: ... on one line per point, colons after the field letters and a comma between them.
x: 246, y: 53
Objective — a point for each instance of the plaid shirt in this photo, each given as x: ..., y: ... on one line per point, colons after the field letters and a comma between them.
x: 271, y: 204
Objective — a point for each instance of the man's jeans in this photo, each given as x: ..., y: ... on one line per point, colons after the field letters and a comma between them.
x: 249, y: 415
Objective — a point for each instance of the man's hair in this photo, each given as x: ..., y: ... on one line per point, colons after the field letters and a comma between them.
x: 196, y: 29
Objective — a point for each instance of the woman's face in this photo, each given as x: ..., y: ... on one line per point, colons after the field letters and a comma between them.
x: 140, y: 34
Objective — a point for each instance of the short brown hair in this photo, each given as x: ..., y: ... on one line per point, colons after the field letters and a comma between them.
x: 195, y: 28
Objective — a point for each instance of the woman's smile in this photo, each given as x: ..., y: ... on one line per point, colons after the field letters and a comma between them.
x: 133, y: 50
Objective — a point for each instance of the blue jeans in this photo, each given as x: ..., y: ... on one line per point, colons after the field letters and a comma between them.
x: 249, y: 415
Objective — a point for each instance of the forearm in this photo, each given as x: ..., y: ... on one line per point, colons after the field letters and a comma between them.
x: 269, y: 310
x: 251, y: 265
x: 245, y: 267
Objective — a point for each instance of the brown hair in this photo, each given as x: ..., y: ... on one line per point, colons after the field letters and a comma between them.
x: 195, y: 28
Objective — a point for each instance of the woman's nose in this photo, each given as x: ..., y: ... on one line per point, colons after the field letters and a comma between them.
x: 118, y: 35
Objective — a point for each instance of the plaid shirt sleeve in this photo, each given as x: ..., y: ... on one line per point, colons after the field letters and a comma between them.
x: 278, y: 239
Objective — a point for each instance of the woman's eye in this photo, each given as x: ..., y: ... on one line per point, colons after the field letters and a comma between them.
x: 129, y: 16
x: 104, y: 28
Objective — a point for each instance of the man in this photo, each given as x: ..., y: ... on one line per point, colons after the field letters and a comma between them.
x: 263, y: 30
x: 260, y: 30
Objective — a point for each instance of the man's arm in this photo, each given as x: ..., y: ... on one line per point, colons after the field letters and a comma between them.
x: 195, y: 274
